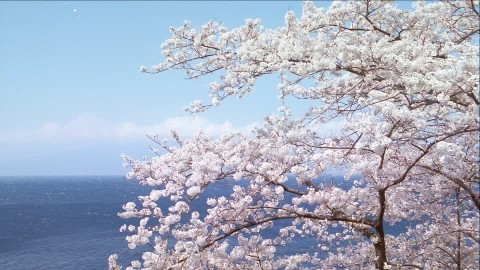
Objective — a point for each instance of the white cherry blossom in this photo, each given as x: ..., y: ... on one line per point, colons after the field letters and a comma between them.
x: 404, y: 86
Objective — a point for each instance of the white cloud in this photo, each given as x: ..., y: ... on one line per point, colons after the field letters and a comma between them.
x: 90, y: 126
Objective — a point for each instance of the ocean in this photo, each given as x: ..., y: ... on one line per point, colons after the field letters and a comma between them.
x: 71, y: 222
x: 63, y: 222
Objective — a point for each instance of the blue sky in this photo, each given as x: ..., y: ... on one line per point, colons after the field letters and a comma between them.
x: 72, y: 99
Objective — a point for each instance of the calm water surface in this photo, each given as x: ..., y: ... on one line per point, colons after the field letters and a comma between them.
x: 62, y: 222
x: 67, y: 222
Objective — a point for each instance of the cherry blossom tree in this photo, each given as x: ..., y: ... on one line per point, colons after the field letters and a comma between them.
x: 403, y: 86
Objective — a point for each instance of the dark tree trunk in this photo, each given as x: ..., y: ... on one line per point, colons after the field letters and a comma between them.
x: 380, y: 248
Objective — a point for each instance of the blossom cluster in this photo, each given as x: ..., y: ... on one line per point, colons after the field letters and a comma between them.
x: 404, y: 85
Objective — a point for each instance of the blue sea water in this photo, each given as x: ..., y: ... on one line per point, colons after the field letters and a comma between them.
x: 66, y: 222
x: 71, y: 222
x: 62, y: 222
